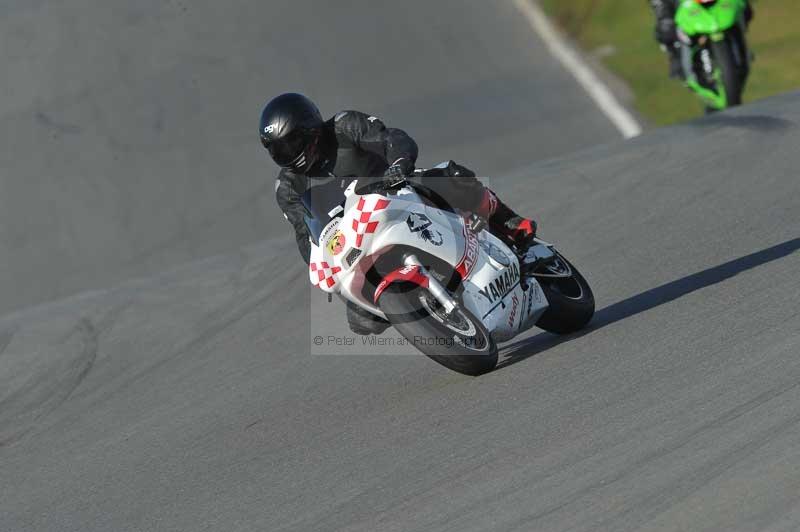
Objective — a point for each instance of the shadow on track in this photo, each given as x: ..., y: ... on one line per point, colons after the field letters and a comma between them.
x: 652, y: 298
x: 761, y: 123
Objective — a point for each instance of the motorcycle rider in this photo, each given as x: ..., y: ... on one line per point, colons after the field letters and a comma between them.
x: 354, y: 144
x: 667, y: 32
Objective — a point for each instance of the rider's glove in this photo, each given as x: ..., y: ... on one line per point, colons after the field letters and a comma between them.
x: 400, y: 168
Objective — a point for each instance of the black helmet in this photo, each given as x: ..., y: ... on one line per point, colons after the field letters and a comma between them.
x: 290, y: 128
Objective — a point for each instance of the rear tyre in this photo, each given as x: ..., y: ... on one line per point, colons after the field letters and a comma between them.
x: 458, y: 342
x: 571, y: 299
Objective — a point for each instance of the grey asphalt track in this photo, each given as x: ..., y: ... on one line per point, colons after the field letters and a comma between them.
x: 188, y: 400
x: 129, y: 128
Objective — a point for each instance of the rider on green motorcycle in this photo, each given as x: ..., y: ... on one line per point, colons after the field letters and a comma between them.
x: 667, y: 33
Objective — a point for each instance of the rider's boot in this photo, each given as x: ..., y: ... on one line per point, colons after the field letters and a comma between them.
x: 504, y: 222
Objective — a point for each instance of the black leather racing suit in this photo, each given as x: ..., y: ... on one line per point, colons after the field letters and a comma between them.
x: 353, y: 145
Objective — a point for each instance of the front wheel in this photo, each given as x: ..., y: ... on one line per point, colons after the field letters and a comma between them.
x: 458, y: 341
x: 569, y: 295
x: 731, y: 70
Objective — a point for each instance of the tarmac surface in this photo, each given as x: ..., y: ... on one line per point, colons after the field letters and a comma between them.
x: 129, y: 129
x: 189, y: 400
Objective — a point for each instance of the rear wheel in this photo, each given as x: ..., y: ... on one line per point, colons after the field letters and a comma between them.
x: 457, y: 341
x: 569, y: 295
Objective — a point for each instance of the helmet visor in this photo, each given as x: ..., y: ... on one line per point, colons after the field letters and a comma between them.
x: 284, y: 151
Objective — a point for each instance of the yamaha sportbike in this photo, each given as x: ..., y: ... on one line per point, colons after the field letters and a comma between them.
x: 448, y: 285
x: 714, y: 53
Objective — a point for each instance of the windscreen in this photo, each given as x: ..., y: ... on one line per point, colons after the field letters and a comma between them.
x: 319, y: 201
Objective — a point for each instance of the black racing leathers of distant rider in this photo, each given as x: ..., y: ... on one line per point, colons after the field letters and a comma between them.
x: 664, y: 11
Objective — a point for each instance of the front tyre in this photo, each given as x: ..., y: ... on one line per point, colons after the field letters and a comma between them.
x: 730, y: 70
x: 458, y: 342
x: 569, y: 295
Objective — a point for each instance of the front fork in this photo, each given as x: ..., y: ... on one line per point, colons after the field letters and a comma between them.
x: 434, y: 287
x: 716, y: 99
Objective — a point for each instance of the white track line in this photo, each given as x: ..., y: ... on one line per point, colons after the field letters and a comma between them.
x: 597, y: 90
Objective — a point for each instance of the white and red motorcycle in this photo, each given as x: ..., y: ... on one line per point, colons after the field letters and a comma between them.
x: 448, y: 285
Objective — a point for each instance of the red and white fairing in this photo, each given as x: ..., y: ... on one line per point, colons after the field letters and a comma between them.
x: 372, y: 224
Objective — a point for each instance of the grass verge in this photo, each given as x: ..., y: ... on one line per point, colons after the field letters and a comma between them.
x: 620, y: 32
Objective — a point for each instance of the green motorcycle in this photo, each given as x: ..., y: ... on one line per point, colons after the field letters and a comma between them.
x: 714, y: 51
